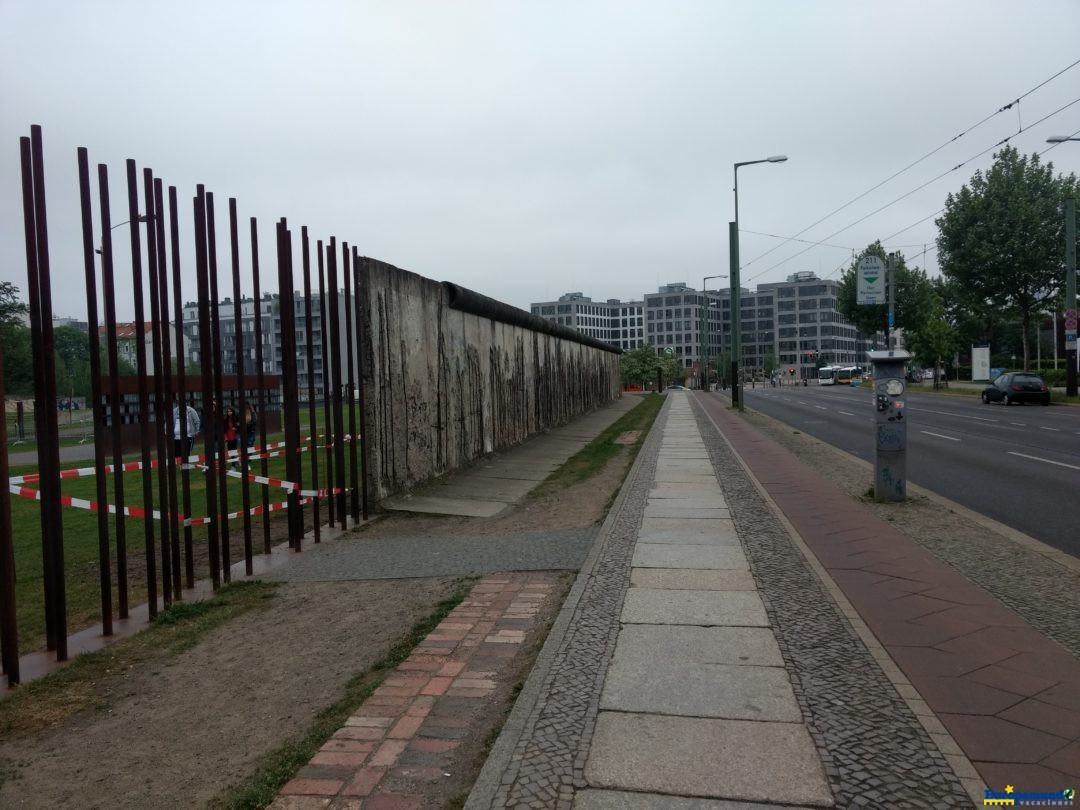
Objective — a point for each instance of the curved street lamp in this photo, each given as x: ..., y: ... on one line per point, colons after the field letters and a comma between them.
x: 736, y: 291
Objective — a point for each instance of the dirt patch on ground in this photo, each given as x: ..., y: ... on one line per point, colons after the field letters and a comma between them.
x: 175, y: 732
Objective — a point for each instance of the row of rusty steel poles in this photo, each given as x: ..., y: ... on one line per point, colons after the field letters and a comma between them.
x: 157, y: 395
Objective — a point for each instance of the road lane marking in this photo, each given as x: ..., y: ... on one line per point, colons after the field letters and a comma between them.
x: 846, y: 413
x: 821, y: 407
x: 953, y: 413
x: 1044, y: 460
x: 1056, y: 430
x: 1019, y: 424
x: 801, y: 402
x: 940, y: 436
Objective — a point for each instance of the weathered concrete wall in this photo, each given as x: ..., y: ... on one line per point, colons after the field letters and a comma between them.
x: 445, y: 387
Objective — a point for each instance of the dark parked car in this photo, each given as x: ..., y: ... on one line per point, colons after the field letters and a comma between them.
x: 1017, y: 386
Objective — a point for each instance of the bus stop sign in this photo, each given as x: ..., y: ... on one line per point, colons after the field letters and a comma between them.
x: 870, y: 281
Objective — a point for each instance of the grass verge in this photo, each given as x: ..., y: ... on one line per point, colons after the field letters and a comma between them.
x: 280, y: 765
x: 85, y: 681
x: 593, y: 457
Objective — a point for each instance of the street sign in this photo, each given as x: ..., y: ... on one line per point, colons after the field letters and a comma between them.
x: 1070, y: 322
x: 870, y: 281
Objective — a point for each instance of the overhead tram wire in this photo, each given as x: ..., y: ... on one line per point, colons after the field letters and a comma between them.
x: 932, y: 152
x: 932, y: 246
x: 913, y: 191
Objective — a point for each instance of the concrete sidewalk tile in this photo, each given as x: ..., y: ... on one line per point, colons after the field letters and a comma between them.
x: 691, y: 535
x: 1044, y: 717
x: 688, y: 579
x: 621, y: 800
x: 299, y: 803
x: 688, y: 555
x: 724, y: 608
x: 646, y: 644
x: 764, y: 762
x: 1067, y: 760
x: 680, y: 686
x: 660, y: 510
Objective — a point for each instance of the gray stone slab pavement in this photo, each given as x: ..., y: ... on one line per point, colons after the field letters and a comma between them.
x: 664, y: 606
x: 621, y: 800
x: 690, y: 579
x: 730, y: 759
x: 683, y: 555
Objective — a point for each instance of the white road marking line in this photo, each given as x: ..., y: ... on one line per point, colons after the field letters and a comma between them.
x: 801, y: 402
x: 952, y: 413
x: 1044, y: 460
x: 846, y: 413
x: 940, y: 436
x: 1056, y: 430
x: 1019, y: 424
x: 821, y: 407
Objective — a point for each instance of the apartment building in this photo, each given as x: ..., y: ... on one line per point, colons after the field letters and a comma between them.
x: 781, y: 323
x: 270, y: 315
x: 619, y: 323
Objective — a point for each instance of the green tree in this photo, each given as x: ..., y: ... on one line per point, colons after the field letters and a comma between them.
x: 914, y: 297
x: 934, y: 343
x: 638, y: 365
x: 1001, y: 241
x: 18, y: 365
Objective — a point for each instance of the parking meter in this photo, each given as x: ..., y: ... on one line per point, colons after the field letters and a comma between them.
x: 890, y: 425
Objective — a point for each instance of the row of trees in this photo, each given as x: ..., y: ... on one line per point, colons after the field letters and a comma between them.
x: 1001, y: 249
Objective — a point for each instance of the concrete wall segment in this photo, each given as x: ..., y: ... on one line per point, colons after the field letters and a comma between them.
x: 445, y: 387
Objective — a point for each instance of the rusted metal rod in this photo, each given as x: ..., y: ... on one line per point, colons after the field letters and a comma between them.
x: 360, y: 346
x: 101, y: 483
x: 309, y: 332
x: 241, y: 384
x: 328, y: 423
x: 335, y: 365
x: 108, y: 293
x: 182, y: 449
x: 218, y: 408
x: 350, y: 396
x: 9, y: 627
x: 260, y: 380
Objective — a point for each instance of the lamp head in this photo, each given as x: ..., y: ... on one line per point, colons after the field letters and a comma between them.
x: 777, y: 158
x: 1061, y: 138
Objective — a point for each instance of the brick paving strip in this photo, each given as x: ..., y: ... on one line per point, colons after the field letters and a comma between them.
x: 404, y: 736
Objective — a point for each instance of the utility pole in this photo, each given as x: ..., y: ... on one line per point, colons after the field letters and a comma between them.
x: 1070, y: 297
x: 890, y: 276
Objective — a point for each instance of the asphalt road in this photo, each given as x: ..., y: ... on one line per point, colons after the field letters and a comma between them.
x: 1017, y: 464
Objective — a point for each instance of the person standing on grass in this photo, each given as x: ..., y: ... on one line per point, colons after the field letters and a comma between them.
x: 232, y: 434
x: 192, y: 426
x: 250, y: 423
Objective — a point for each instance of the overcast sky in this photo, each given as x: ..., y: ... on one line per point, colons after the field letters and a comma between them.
x: 527, y: 149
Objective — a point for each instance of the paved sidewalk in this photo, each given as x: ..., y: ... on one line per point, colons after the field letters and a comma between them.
x: 702, y: 661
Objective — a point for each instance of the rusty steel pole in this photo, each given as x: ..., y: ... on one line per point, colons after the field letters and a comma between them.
x: 145, y: 437
x: 206, y: 364
x: 260, y: 377
x: 155, y: 368
x: 290, y: 392
x: 220, y: 452
x: 313, y: 432
x: 361, y: 342
x: 116, y: 440
x: 101, y: 483
x: 328, y: 423
x: 350, y: 398
x: 40, y: 294
x: 335, y: 366
x: 181, y: 400
x: 241, y: 384
x: 9, y: 626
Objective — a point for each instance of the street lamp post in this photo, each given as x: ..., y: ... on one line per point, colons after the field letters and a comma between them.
x: 736, y: 291
x: 1070, y: 284
x: 704, y: 354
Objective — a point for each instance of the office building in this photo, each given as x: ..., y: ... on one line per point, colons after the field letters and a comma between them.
x: 619, y: 323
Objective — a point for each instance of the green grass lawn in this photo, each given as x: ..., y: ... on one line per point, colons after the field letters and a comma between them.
x: 82, y: 586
